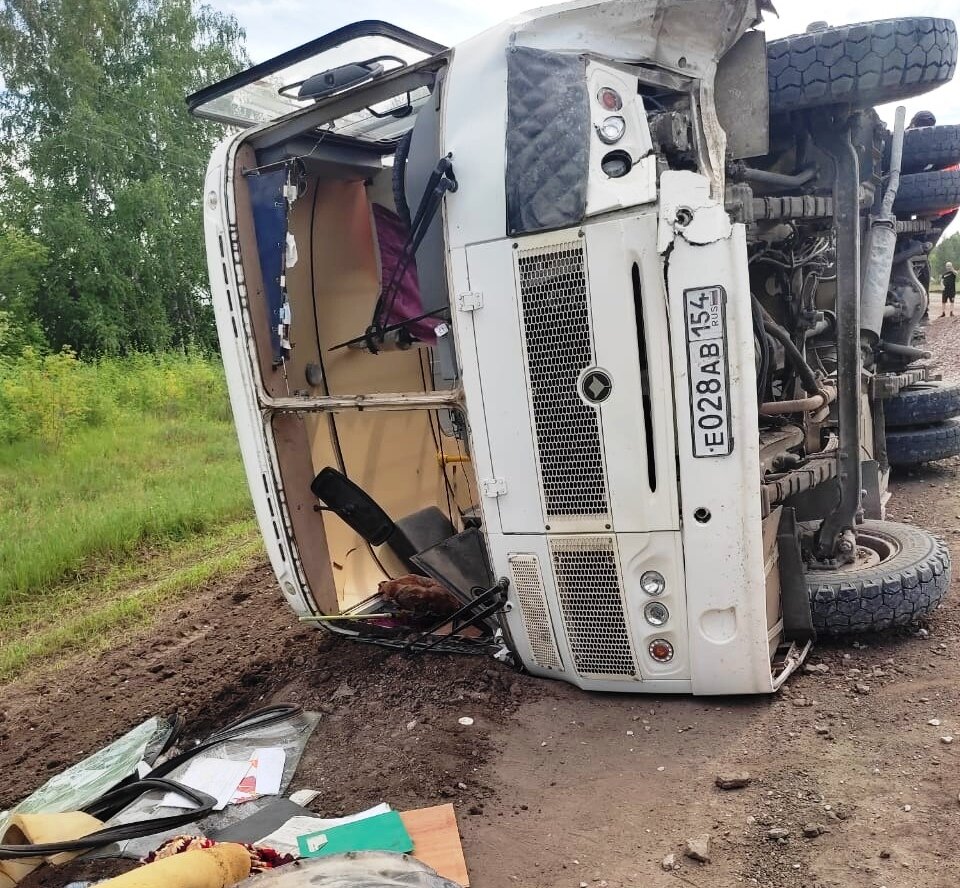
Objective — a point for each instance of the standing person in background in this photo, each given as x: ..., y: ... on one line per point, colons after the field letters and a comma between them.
x: 949, y: 281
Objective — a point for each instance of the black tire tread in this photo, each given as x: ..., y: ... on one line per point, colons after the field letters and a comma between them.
x: 933, y: 193
x: 915, y: 446
x: 861, y: 64
x: 930, y: 148
x: 900, y: 592
x: 929, y: 402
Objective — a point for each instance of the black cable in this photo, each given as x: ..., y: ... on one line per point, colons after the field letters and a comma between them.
x: 316, y: 330
x: 260, y: 718
x: 466, y: 474
x: 460, y: 453
x: 474, y: 501
x: 807, y: 377
x: 436, y: 441
x: 761, y: 336
x: 107, y: 805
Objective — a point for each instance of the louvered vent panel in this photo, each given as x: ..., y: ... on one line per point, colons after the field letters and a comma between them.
x: 556, y: 319
x: 528, y: 584
x: 588, y: 585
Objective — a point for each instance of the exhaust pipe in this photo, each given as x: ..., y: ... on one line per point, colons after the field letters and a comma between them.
x: 880, y: 247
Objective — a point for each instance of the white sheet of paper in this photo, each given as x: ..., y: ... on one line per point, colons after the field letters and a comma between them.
x: 331, y: 822
x: 214, y: 776
x: 315, y: 843
x: 264, y: 775
x: 303, y: 797
x: 284, y: 839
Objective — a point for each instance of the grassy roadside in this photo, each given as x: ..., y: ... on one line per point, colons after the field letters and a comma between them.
x: 108, y: 490
x: 121, y: 489
x: 97, y: 459
x: 91, y: 612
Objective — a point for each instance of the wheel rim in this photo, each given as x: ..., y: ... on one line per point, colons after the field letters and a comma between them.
x: 874, y: 549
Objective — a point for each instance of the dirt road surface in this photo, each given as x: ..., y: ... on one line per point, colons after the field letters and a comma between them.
x: 554, y: 787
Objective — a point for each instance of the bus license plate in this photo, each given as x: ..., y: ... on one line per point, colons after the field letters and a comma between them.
x: 705, y: 320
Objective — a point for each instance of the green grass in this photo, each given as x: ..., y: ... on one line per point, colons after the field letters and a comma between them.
x: 107, y: 490
x: 121, y: 487
x: 145, y: 451
x: 90, y: 613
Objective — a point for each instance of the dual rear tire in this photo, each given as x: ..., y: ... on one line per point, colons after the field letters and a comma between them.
x: 864, y: 64
x: 923, y: 424
x: 927, y: 148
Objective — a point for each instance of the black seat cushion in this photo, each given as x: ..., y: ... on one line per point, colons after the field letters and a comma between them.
x: 420, y: 531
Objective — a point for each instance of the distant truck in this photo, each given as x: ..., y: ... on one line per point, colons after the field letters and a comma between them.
x: 589, y: 323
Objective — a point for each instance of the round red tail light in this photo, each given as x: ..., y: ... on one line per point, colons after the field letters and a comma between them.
x: 610, y: 99
x: 661, y: 650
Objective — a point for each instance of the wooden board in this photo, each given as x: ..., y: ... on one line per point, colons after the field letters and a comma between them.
x: 436, y: 841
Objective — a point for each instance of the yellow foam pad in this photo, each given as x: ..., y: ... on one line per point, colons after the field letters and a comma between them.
x: 42, y: 829
x: 217, y: 867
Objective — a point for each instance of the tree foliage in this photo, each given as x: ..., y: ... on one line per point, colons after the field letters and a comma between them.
x: 22, y: 262
x: 948, y: 250
x: 102, y: 165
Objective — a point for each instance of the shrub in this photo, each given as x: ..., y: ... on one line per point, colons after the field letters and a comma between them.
x: 43, y: 398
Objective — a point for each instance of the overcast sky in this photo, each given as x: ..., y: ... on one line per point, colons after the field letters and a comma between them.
x: 273, y: 26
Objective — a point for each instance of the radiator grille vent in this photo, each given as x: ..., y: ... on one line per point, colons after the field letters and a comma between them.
x: 588, y: 586
x: 528, y: 584
x: 556, y: 320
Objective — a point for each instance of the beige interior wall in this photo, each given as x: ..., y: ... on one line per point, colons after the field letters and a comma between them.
x: 391, y: 455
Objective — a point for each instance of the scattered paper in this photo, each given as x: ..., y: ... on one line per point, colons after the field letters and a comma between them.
x: 285, y: 838
x: 331, y: 822
x: 264, y: 776
x: 303, y: 797
x: 214, y: 776
x: 315, y: 843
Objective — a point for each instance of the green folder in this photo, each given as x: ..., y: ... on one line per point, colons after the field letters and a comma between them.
x: 383, y: 832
